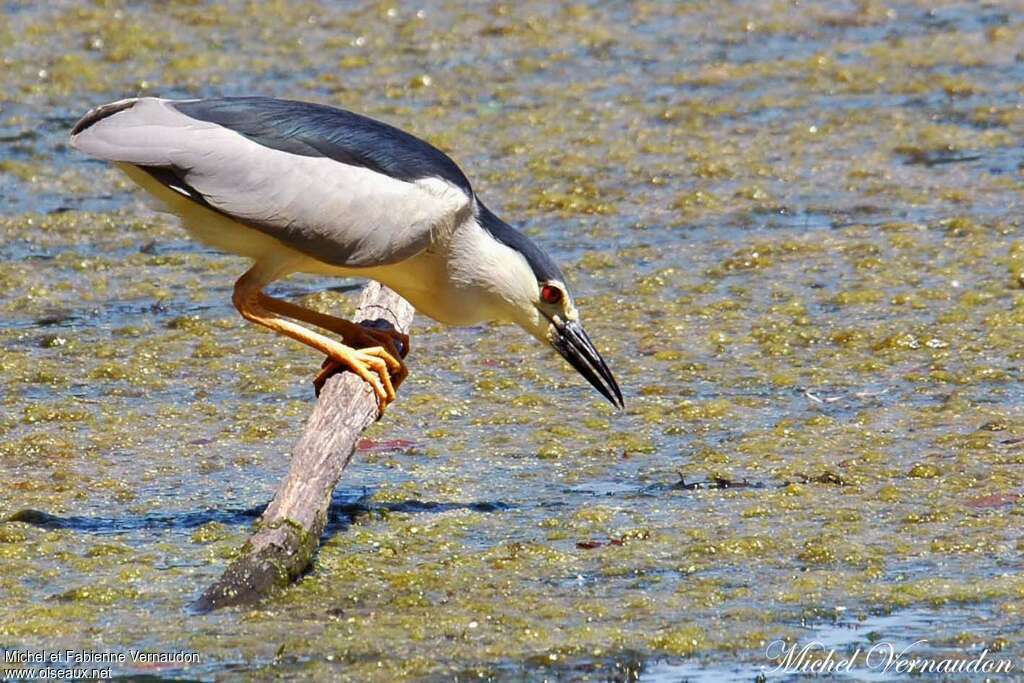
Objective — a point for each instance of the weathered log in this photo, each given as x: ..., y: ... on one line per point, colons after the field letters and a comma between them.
x: 288, y: 534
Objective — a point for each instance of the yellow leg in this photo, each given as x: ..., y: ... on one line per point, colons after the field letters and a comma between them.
x: 374, y: 365
x: 353, y: 334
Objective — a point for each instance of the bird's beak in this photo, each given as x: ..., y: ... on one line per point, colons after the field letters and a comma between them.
x: 571, y: 340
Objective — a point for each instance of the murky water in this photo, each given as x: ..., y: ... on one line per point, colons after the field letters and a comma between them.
x: 795, y: 229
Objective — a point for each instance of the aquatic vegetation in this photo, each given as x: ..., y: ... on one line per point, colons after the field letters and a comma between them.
x: 796, y: 234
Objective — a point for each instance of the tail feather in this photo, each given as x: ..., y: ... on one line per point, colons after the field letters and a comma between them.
x: 99, y: 113
x: 145, y: 131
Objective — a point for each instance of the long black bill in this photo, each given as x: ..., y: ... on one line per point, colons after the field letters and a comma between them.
x: 575, y: 346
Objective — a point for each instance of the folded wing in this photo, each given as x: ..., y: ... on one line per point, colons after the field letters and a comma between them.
x: 344, y: 189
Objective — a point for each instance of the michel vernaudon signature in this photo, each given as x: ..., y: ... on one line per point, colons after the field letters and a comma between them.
x: 883, y: 656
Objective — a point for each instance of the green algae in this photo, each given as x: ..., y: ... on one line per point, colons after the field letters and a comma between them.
x: 800, y: 256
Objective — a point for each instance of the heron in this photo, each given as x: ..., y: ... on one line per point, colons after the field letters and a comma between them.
x: 298, y: 187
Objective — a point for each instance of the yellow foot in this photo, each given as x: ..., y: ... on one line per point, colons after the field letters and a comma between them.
x: 375, y: 365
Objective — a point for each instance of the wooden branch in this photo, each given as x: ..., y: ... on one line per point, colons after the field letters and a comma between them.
x: 288, y: 533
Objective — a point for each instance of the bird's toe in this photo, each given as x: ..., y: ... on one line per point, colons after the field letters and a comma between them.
x: 374, y: 365
x: 395, y: 342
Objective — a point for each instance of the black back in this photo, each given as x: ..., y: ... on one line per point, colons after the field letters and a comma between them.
x: 316, y: 130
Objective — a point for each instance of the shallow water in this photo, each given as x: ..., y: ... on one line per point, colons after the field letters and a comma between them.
x: 794, y: 230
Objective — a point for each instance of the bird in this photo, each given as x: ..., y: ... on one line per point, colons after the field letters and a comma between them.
x: 300, y: 187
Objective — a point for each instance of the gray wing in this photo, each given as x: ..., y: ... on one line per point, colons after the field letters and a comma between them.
x: 320, y: 131
x: 344, y: 189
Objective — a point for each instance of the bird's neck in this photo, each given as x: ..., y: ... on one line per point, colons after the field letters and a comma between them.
x: 468, y: 278
x: 498, y: 275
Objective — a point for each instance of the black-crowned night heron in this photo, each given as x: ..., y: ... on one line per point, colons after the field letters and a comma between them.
x: 300, y: 187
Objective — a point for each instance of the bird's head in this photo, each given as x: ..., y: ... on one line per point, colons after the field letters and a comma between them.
x: 557, y: 322
x: 532, y: 293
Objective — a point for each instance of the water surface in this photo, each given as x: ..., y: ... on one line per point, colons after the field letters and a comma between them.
x: 794, y: 230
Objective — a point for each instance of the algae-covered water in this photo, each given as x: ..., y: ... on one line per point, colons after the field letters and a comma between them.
x: 794, y: 230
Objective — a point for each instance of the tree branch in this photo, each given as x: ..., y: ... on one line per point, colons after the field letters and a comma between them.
x: 288, y: 533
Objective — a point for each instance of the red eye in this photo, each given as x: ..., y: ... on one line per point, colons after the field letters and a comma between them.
x: 550, y: 294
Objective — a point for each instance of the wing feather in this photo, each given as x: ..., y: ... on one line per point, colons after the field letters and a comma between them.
x: 335, y: 209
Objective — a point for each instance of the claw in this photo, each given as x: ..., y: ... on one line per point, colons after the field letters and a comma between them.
x: 375, y: 365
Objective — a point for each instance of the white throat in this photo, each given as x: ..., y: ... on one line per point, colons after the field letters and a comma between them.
x: 468, y: 278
